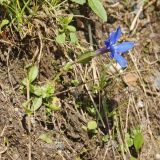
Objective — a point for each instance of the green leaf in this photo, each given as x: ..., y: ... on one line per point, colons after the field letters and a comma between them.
x: 3, y: 23
x: 24, y: 81
x: 92, y: 125
x: 66, y: 20
x: 138, y: 141
x: 54, y: 105
x: 73, y: 37
x: 48, y: 90
x: 46, y: 138
x: 71, y: 28
x: 61, y: 38
x: 136, y: 131
x: 105, y: 138
x: 79, y: 1
x: 44, y: 91
x: 36, y: 104
x: 28, y: 111
x: 86, y: 57
x: 4, y: 2
x: 37, y: 90
x: 133, y: 158
x: 33, y: 73
x: 26, y: 103
x: 84, y: 128
x: 68, y: 66
x: 91, y: 110
x: 98, y: 8
x: 75, y: 82
x: 128, y: 140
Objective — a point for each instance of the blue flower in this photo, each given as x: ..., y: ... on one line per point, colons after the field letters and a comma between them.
x: 117, y: 49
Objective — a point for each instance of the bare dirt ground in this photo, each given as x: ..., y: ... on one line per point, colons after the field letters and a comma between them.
x: 135, y: 92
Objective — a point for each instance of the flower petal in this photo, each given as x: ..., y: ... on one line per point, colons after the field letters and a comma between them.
x: 115, y: 35
x: 120, y: 60
x: 124, y: 47
x: 107, y: 43
x: 112, y: 51
x: 112, y: 55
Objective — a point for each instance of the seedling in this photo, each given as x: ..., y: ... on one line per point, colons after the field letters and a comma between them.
x: 16, y: 11
x: 67, y: 32
x: 39, y: 95
x: 134, y: 138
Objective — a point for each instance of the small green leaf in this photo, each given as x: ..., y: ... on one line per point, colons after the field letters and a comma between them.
x: 61, y: 38
x: 54, y: 105
x: 61, y: 30
x: 66, y: 20
x: 91, y: 110
x: 92, y: 125
x: 86, y: 57
x: 33, y: 73
x: 44, y: 91
x: 24, y: 81
x: 36, y: 104
x: 37, y: 90
x: 3, y: 23
x: 133, y: 158
x: 71, y: 28
x: 136, y: 131
x: 68, y: 66
x: 28, y: 111
x: 84, y: 128
x: 48, y: 90
x: 98, y: 8
x: 73, y: 37
x: 128, y: 140
x: 26, y: 103
x: 105, y: 138
x: 46, y: 138
x: 79, y: 1
x: 75, y: 82
x: 138, y: 141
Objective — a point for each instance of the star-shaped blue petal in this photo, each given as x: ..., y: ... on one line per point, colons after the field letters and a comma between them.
x: 114, y: 36
x: 117, y: 49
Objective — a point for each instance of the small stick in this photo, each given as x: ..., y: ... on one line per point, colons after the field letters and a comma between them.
x: 136, y: 17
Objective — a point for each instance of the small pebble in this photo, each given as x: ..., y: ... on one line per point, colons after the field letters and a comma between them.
x: 140, y: 104
x: 16, y: 109
x: 157, y: 156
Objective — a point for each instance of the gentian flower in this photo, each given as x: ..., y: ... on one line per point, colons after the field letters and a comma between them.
x: 116, y: 49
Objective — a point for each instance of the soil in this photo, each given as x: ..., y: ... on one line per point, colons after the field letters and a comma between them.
x: 70, y: 140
